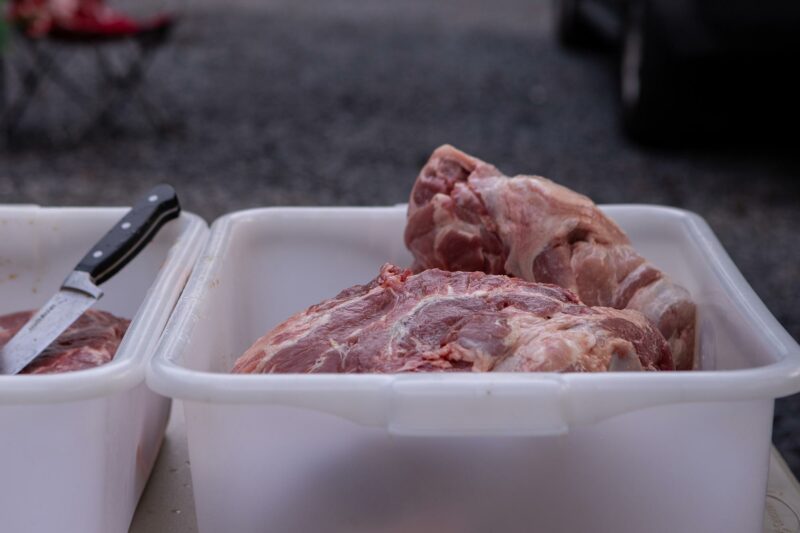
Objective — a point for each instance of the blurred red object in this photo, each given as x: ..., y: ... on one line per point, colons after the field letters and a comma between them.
x: 79, y: 19
x: 51, y: 30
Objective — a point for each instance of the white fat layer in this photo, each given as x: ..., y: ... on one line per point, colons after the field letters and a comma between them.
x: 318, y: 363
x: 627, y: 361
x: 481, y: 360
x: 655, y: 299
x: 304, y: 326
x: 526, y: 229
x: 556, y: 344
x: 298, y: 328
x: 400, y: 328
x: 655, y: 302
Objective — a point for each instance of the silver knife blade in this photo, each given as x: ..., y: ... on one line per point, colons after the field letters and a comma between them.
x: 76, y: 295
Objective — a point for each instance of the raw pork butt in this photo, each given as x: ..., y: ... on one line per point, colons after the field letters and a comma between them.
x: 464, y: 214
x: 457, y: 321
x: 90, y: 341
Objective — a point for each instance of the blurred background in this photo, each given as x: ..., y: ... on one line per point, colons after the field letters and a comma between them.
x: 248, y: 103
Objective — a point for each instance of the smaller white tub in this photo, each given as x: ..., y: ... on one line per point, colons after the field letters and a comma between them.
x: 616, y: 452
x: 77, y: 448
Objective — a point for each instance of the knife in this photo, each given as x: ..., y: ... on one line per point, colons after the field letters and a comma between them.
x: 80, y: 290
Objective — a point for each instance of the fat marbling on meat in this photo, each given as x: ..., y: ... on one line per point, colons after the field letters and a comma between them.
x: 464, y: 214
x: 90, y: 341
x: 457, y: 321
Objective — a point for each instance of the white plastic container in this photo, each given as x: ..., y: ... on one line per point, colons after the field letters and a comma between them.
x: 617, y: 452
x: 77, y: 448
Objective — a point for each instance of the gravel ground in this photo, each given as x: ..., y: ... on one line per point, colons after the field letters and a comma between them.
x: 339, y: 103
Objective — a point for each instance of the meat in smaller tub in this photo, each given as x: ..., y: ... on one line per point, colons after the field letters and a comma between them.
x: 90, y: 341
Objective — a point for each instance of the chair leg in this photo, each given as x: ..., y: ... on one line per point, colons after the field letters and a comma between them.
x: 154, y: 116
x: 31, y: 79
x: 3, y: 89
x: 121, y: 88
x: 3, y: 84
x: 69, y: 87
x: 42, y: 66
x: 125, y: 87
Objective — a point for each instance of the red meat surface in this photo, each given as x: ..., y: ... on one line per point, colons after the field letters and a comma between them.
x: 457, y: 321
x: 464, y: 214
x: 90, y: 341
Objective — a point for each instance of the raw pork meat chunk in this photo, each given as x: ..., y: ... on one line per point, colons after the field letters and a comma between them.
x: 464, y: 214
x: 90, y: 341
x: 457, y: 321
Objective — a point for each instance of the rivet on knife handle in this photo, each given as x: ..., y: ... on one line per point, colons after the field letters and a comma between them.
x: 131, y: 234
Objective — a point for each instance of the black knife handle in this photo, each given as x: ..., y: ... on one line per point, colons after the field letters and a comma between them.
x: 128, y: 236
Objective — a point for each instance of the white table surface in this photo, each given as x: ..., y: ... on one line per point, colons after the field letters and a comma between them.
x: 167, y: 505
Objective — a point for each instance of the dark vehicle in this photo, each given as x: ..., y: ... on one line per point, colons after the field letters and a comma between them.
x: 674, y: 52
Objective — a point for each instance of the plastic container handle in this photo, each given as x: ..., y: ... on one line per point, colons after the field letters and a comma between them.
x: 128, y: 236
x: 492, y: 406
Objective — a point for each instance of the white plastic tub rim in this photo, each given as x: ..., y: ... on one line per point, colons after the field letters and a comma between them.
x: 127, y: 369
x: 476, y: 404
